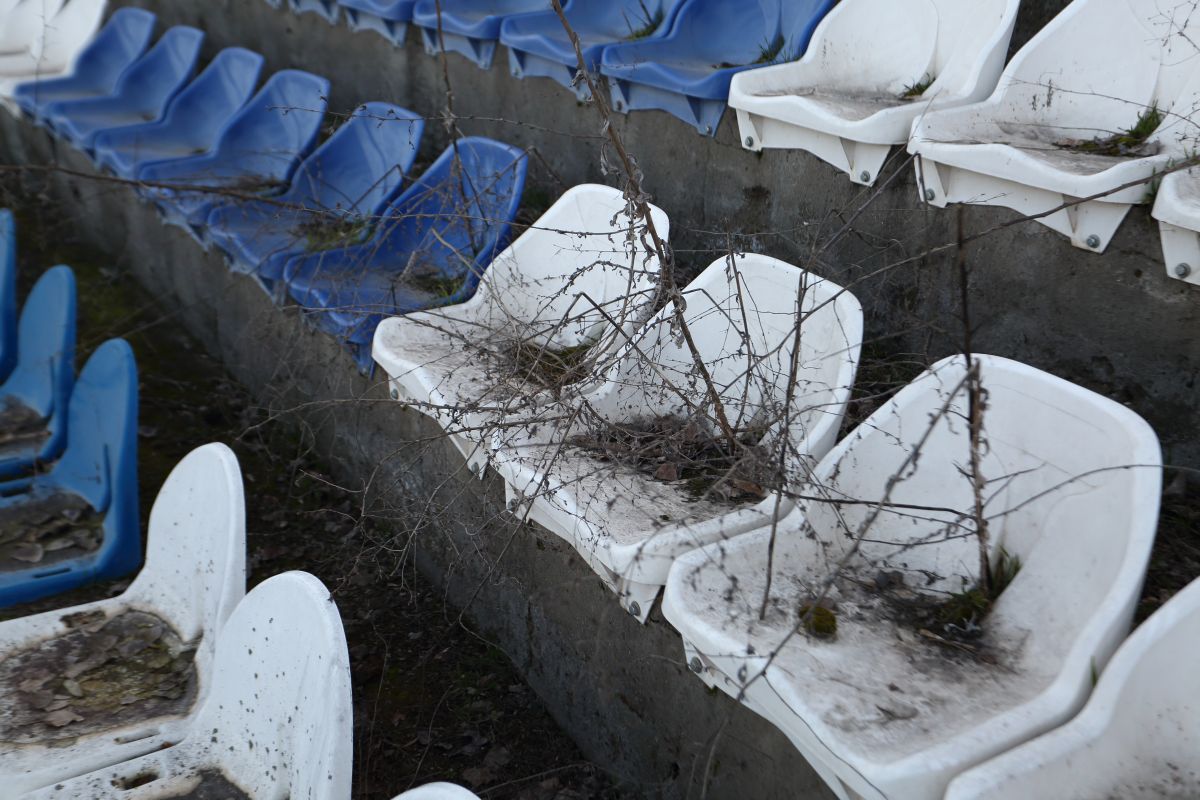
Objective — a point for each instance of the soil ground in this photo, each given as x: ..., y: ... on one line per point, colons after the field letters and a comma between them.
x: 432, y: 699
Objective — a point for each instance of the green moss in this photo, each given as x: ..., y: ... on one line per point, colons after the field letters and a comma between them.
x: 819, y: 621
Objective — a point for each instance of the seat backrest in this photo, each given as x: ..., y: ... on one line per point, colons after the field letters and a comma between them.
x: 1060, y: 495
x: 721, y: 32
x: 586, y: 250
x: 624, y: 19
x: 742, y: 313
x: 966, y: 31
x: 276, y: 126
x: 1100, y: 64
x: 100, y: 460
x: 195, y: 571
x: 458, y: 212
x: 211, y: 100
x: 278, y: 721
x: 45, y: 370
x: 362, y: 165
x: 156, y: 76
x: 797, y: 21
x: 8, y: 292
x: 28, y: 25
x: 118, y: 44
x: 73, y: 28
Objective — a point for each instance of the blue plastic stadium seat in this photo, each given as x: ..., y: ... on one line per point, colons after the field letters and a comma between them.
x: 338, y: 190
x: 687, y: 71
x: 191, y: 123
x: 538, y: 45
x: 141, y: 95
x: 388, y: 18
x: 8, y: 293
x: 435, y: 242
x: 85, y: 509
x: 33, y: 401
x: 98, y: 68
x: 255, y: 154
x: 326, y: 9
x: 470, y: 27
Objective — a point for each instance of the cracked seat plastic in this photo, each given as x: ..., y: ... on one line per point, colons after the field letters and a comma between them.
x: 471, y: 28
x: 889, y: 708
x: 1044, y: 138
x: 347, y: 181
x: 742, y: 312
x: 388, y: 18
x: 431, y: 246
x: 278, y: 719
x: 99, y: 467
x: 1136, y: 737
x: 192, y: 122
x: 538, y: 45
x: 141, y: 95
x: 255, y: 154
x: 194, y: 576
x: 99, y: 66
x: 576, y: 277
x: 687, y: 72
x: 34, y: 398
x: 874, y: 66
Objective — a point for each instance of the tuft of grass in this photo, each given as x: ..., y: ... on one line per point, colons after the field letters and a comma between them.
x: 965, y: 610
x: 323, y: 233
x: 1125, y: 143
x: 436, y: 284
x: 552, y: 367
x: 768, y: 53
x: 648, y: 23
x: 918, y: 87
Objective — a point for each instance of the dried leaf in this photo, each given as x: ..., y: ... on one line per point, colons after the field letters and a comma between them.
x: 29, y: 552
x: 62, y: 717
x: 667, y: 471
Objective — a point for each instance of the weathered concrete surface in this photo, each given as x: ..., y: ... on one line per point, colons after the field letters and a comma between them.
x: 619, y: 688
x: 1114, y: 322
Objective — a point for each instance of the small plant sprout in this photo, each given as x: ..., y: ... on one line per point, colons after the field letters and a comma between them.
x: 647, y: 23
x: 918, y: 87
x: 1126, y: 143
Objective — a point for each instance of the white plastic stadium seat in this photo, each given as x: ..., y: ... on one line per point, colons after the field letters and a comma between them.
x: 1067, y: 120
x: 872, y: 67
x: 743, y: 313
x: 195, y: 573
x: 888, y: 692
x: 278, y: 721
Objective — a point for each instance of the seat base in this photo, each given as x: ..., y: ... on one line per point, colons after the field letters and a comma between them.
x: 480, y: 51
x: 524, y: 64
x: 1089, y: 224
x: 1181, y: 252
x: 702, y: 114
x: 325, y: 9
x: 862, y: 161
x: 359, y: 21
